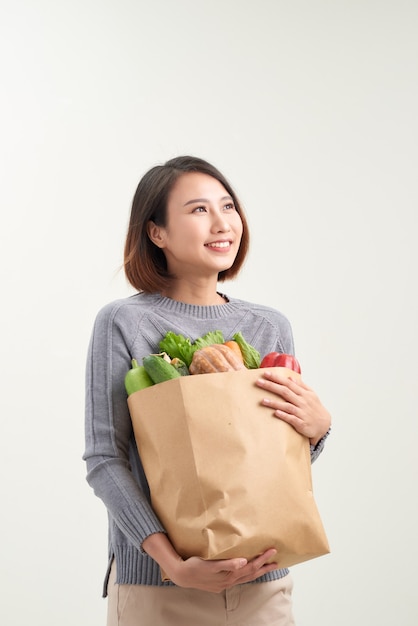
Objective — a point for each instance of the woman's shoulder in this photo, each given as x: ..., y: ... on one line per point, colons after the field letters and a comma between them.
x: 265, y: 327
x: 263, y: 310
x: 134, y: 305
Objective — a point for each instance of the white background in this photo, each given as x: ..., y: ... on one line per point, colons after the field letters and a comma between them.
x: 310, y: 109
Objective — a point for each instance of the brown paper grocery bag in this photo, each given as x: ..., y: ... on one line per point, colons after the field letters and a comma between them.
x: 227, y: 478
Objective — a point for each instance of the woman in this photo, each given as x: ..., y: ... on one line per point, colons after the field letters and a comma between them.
x: 187, y: 232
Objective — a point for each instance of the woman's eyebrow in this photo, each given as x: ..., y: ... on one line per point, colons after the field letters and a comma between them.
x: 205, y: 200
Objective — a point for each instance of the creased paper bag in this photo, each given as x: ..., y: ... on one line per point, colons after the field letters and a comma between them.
x: 227, y: 478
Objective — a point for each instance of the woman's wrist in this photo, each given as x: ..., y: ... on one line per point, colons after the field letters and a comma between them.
x: 159, y: 548
x: 317, y: 440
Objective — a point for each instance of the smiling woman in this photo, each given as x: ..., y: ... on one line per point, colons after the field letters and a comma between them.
x: 187, y: 231
x: 200, y: 239
x: 145, y: 262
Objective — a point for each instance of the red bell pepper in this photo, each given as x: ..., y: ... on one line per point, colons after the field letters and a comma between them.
x: 277, y: 359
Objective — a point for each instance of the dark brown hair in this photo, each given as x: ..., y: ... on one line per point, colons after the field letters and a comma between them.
x: 144, y: 263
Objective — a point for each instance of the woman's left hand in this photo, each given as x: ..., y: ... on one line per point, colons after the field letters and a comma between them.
x: 297, y: 404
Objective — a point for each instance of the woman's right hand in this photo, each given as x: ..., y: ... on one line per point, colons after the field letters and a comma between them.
x: 215, y: 576
x: 196, y: 573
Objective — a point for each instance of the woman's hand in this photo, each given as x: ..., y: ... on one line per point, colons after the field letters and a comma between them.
x: 215, y: 576
x: 196, y: 573
x: 297, y: 404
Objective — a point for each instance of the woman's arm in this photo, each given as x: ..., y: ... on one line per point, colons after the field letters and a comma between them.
x: 108, y: 428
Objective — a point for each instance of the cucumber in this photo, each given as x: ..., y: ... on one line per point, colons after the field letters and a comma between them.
x: 158, y: 369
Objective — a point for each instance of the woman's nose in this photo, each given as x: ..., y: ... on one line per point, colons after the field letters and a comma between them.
x: 220, y: 224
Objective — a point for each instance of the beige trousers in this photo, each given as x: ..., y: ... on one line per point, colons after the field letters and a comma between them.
x: 256, y: 604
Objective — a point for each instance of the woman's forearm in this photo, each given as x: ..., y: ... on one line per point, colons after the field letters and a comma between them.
x: 159, y: 548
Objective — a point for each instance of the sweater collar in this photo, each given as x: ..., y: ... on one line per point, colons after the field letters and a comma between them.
x: 183, y: 309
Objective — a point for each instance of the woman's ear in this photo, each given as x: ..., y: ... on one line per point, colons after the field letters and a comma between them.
x: 156, y: 234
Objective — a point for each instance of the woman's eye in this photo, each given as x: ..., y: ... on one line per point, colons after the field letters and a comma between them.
x: 230, y: 206
x: 199, y: 209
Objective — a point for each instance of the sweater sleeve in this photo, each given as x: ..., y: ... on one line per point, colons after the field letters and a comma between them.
x: 108, y: 432
x: 316, y: 450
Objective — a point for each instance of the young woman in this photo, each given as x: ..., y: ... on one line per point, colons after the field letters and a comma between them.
x: 187, y: 233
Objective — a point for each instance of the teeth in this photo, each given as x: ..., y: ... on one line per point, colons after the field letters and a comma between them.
x: 220, y: 244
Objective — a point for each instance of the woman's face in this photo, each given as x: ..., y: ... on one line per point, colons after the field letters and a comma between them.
x: 203, y: 228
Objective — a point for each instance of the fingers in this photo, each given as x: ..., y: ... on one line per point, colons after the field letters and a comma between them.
x: 287, y: 398
x: 282, y: 385
x: 216, y: 576
x: 230, y: 565
x: 296, y: 403
x: 262, y: 559
x: 243, y: 565
x: 257, y: 567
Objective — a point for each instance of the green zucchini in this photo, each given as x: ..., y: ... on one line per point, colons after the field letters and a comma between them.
x: 158, y: 369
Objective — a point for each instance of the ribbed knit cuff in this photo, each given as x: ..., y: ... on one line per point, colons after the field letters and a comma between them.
x: 133, y: 568
x: 317, y: 449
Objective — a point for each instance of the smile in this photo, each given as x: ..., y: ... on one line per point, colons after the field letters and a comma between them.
x: 219, y: 244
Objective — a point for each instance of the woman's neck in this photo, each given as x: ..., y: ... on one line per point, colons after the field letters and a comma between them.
x: 203, y: 295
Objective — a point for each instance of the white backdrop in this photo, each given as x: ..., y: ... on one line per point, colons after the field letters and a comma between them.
x: 310, y: 108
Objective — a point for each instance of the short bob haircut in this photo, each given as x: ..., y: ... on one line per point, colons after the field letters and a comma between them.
x: 144, y: 263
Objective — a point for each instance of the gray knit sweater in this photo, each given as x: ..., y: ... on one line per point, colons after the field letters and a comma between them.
x: 132, y: 328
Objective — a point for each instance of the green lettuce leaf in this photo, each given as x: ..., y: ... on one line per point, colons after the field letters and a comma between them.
x: 209, y: 339
x: 251, y: 356
x: 178, y: 347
